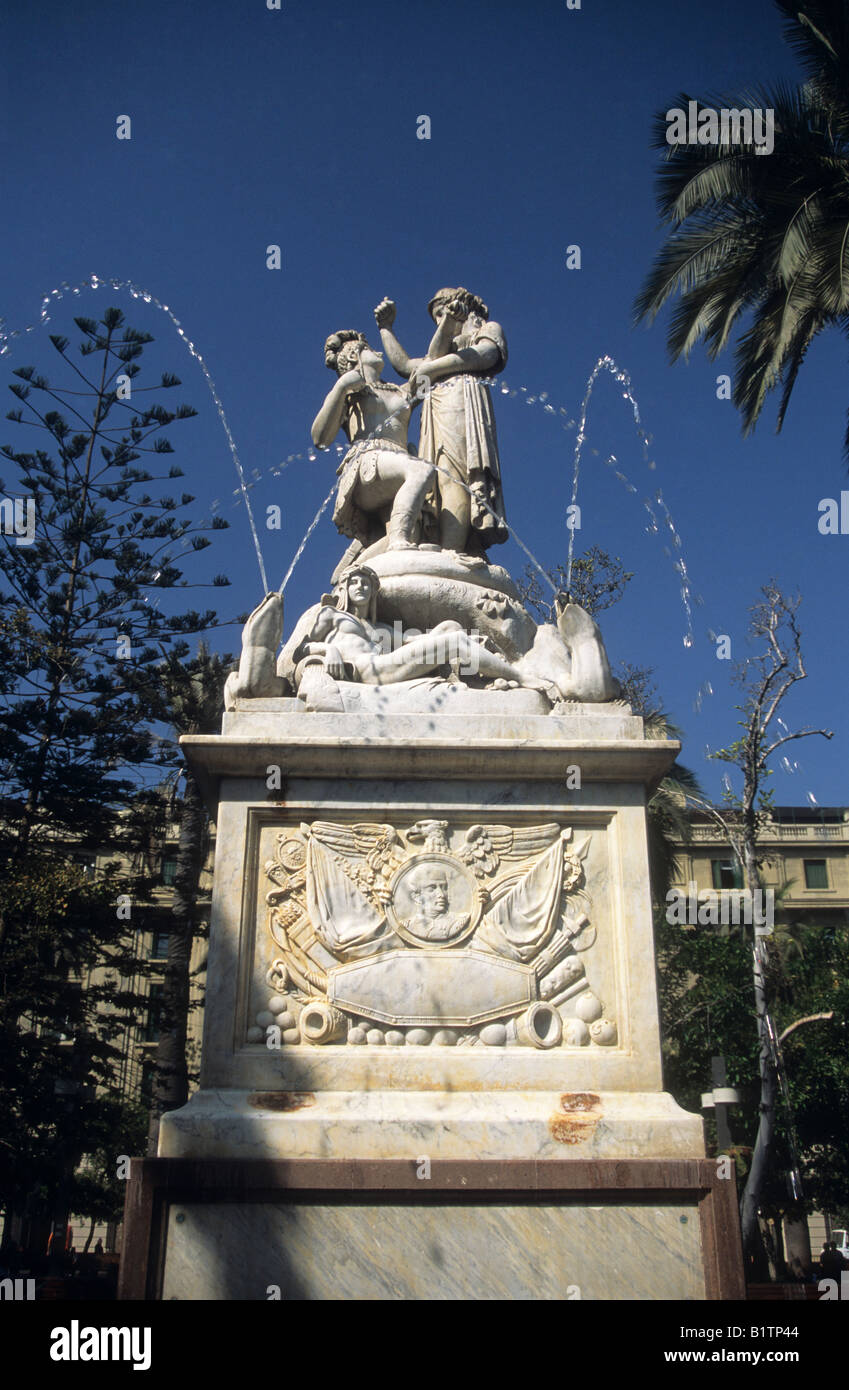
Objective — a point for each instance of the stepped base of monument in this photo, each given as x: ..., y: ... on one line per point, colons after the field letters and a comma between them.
x: 430, y: 1229
x: 468, y: 1125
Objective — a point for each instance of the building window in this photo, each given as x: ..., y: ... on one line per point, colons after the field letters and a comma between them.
x: 816, y: 873
x: 148, y: 1072
x: 159, y: 948
x: 71, y: 1021
x: 726, y: 873
x: 169, y: 871
x: 154, y: 1013
x: 86, y: 863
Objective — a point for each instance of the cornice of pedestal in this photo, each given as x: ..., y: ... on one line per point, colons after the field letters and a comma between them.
x: 604, y: 746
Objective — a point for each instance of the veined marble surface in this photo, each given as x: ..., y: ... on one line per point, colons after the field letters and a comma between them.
x: 344, y: 1101
x: 270, y: 718
x: 353, y: 1250
x: 444, y: 1124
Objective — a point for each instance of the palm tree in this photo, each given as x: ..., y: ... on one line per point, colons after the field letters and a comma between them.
x: 760, y: 242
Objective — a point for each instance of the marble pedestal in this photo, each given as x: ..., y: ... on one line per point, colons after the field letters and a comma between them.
x: 470, y: 1046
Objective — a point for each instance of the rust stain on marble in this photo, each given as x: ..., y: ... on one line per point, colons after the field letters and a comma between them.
x: 281, y: 1100
x: 575, y: 1121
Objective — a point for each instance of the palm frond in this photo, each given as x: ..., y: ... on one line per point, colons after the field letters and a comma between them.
x: 759, y: 245
x: 797, y: 357
x: 818, y: 32
x: 689, y: 257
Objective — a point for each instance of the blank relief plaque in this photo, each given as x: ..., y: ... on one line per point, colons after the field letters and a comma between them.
x: 467, y: 935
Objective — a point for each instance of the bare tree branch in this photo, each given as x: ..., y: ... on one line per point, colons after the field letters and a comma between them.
x: 801, y: 733
x: 809, y: 1018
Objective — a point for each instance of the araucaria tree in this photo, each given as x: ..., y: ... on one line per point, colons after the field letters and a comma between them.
x: 80, y: 625
x: 81, y: 601
x: 766, y: 680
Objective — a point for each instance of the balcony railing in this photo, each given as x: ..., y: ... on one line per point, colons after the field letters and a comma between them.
x: 780, y: 832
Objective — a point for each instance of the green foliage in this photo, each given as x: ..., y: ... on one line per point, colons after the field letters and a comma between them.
x: 816, y: 1056
x: 193, y: 691
x: 80, y: 606
x: 777, y: 962
x: 86, y: 654
x: 598, y: 580
x: 59, y: 1042
x: 707, y: 1009
x: 758, y: 245
x: 119, y: 1129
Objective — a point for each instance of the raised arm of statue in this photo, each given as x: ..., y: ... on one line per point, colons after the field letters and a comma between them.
x: 448, y: 326
x: 399, y: 359
x: 449, y: 315
x: 382, y: 487
x: 483, y: 357
x: 331, y: 417
x: 458, y: 423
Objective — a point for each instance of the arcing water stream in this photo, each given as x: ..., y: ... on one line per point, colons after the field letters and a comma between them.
x: 662, y: 518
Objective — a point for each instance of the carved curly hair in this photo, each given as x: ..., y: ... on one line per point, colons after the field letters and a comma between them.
x: 471, y: 301
x: 342, y: 350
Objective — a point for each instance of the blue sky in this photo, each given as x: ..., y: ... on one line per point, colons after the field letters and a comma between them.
x: 298, y: 127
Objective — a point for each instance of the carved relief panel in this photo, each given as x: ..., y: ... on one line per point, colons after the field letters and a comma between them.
x: 432, y: 933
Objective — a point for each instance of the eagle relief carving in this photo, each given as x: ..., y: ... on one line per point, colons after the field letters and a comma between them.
x: 433, y: 934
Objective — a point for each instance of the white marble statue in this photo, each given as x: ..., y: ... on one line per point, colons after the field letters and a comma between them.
x: 404, y: 609
x: 340, y: 641
x: 261, y: 636
x: 352, y: 645
x: 458, y: 424
x: 381, y: 487
x: 589, y: 677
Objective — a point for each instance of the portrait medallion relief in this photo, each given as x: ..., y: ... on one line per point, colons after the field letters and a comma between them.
x: 434, y: 901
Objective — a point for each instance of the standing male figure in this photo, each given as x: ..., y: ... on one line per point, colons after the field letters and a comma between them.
x: 458, y: 424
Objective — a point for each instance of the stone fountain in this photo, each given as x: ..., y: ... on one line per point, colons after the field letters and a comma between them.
x: 431, y: 1060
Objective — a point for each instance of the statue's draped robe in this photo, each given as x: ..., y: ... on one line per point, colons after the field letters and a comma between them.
x: 458, y: 435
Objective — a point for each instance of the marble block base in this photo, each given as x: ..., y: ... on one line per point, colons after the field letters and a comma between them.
x: 323, y: 824
x: 442, y: 1230
x: 472, y: 1125
x: 518, y: 1251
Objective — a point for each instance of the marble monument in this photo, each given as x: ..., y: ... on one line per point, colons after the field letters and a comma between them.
x: 431, y: 932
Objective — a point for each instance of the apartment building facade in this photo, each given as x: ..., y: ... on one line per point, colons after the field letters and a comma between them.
x: 136, y: 1047
x: 805, y: 860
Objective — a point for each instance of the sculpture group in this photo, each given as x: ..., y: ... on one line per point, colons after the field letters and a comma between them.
x: 417, y: 619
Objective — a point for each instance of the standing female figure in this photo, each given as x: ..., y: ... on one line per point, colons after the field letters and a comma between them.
x: 458, y: 424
